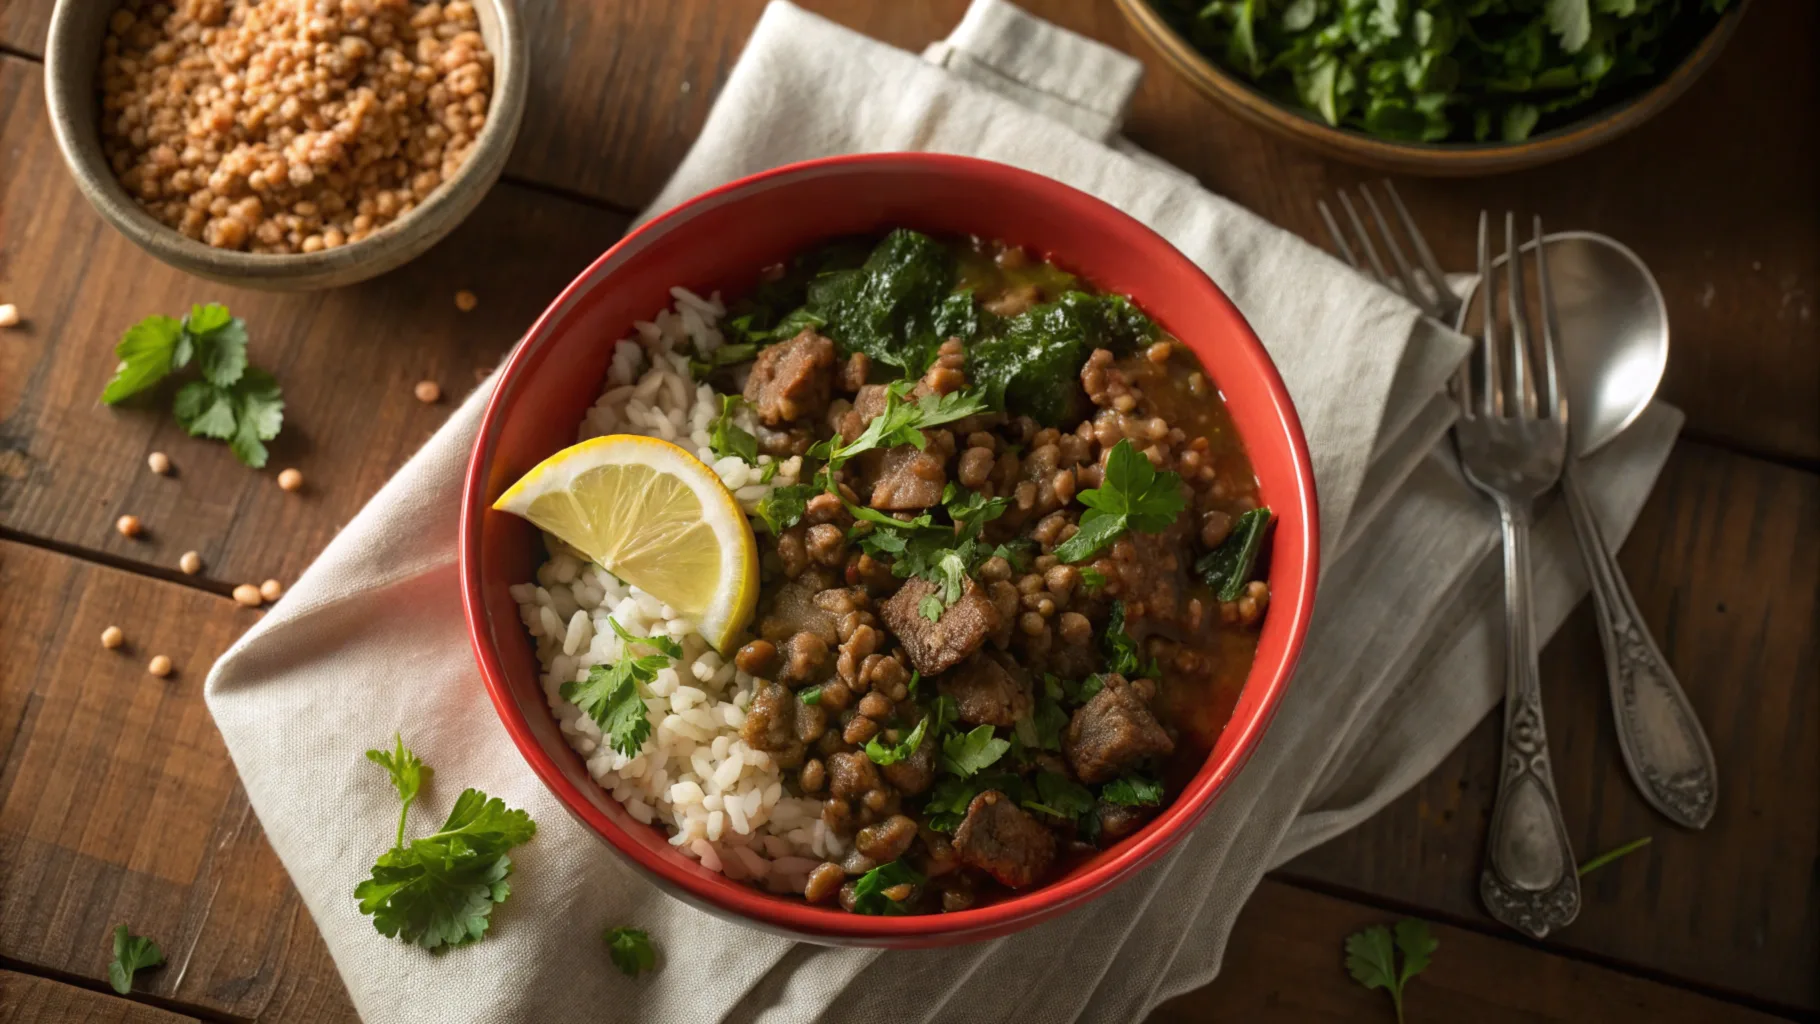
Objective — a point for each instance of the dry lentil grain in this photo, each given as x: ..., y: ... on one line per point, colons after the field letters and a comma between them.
x: 248, y: 595
x: 271, y: 590
x: 159, y: 462
x: 111, y: 637
x: 128, y: 526
x: 190, y: 563
x: 427, y: 391
x: 160, y: 666
x: 9, y: 315
x: 290, y: 480
x: 466, y: 301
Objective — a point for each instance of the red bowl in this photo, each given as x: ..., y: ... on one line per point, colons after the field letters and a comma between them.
x: 720, y: 240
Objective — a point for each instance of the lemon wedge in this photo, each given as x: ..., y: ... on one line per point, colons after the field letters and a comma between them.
x: 656, y: 517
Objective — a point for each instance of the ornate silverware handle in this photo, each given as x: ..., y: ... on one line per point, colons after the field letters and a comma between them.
x: 1530, y: 881
x: 1664, y: 746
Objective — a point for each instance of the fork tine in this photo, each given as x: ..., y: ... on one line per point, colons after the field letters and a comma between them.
x: 1437, y: 278
x: 1553, y: 401
x: 1413, y: 289
x: 1339, y: 239
x: 1371, y: 252
x: 1522, y: 380
x: 1493, y: 399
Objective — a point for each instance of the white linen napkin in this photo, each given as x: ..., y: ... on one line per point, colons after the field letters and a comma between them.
x: 1404, y: 656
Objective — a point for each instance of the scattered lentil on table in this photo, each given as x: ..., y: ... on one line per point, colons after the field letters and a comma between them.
x: 128, y: 526
x: 159, y: 463
x: 112, y: 637
x: 9, y: 315
x: 190, y: 562
x: 290, y: 480
x: 248, y: 595
x: 428, y: 392
x: 160, y: 666
x: 271, y: 590
x: 290, y: 126
x: 466, y: 301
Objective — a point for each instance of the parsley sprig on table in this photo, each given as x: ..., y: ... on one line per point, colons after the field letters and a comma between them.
x: 231, y: 401
x: 611, y: 695
x: 1132, y: 495
x: 1371, y: 957
x: 438, y: 891
x: 132, y: 954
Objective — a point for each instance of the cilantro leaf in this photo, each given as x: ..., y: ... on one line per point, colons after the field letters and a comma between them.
x: 1133, y: 791
x: 631, y: 950
x: 205, y: 410
x: 1042, y: 729
x: 869, y: 893
x: 1132, y: 495
x: 611, y: 694
x: 899, y: 424
x: 884, y: 755
x: 148, y: 352
x: 966, y: 753
x: 132, y: 953
x: 931, y: 608
x: 1061, y: 796
x: 1092, y: 578
x: 258, y: 413
x: 1371, y: 957
x: 726, y: 437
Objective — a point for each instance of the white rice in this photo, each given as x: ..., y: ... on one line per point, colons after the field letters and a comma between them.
x: 720, y: 801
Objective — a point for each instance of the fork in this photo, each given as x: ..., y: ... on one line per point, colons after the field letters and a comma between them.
x: 1518, y: 443
x: 1512, y: 437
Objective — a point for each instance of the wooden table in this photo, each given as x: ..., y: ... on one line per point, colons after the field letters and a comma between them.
x: 118, y: 802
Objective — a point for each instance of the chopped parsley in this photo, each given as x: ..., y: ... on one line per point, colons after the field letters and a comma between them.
x: 1133, y: 791
x: 727, y: 437
x: 1371, y: 957
x: 439, y: 890
x: 810, y: 695
x: 726, y: 355
x: 869, y: 892
x: 1092, y: 578
x: 1132, y: 495
x: 784, y: 506
x: 942, y: 554
x: 1122, y: 653
x: 899, y: 424
x: 967, y: 753
x: 611, y: 695
x: 631, y: 950
x: 230, y: 401
x: 882, y: 754
x: 132, y: 954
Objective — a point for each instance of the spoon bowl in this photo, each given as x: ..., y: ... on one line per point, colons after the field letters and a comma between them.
x: 1611, y: 326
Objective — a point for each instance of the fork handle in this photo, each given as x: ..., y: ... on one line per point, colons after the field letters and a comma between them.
x: 1530, y: 881
x: 1664, y: 747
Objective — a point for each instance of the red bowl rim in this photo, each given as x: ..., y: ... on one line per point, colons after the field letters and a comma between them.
x: 767, y: 910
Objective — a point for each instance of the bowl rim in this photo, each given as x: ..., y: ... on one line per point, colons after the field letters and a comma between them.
x: 72, y: 102
x: 769, y: 911
x: 1259, y: 107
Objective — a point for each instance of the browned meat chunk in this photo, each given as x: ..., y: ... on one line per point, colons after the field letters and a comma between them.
x: 794, y: 609
x: 851, y: 775
x: 906, y: 479
x: 1118, y: 821
x: 771, y: 719
x: 792, y: 379
x: 1112, y: 732
x: 1001, y: 839
x: 938, y: 646
x: 916, y: 773
x: 987, y: 692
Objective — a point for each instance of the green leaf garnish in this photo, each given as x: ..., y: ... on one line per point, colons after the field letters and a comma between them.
x: 631, y: 950
x: 611, y: 694
x: 726, y: 437
x: 1131, y: 495
x: 132, y: 954
x: 1371, y: 957
x: 965, y: 753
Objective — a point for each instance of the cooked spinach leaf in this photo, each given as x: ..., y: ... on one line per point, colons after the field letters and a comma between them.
x: 1030, y: 364
x: 1228, y: 567
x: 897, y: 307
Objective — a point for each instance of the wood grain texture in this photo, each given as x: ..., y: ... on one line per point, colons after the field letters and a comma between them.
x: 119, y: 805
x: 1285, y: 963
x: 1725, y: 564
x: 348, y: 360
x: 25, y: 999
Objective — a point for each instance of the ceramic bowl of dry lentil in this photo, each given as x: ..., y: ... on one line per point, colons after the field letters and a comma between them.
x: 287, y: 145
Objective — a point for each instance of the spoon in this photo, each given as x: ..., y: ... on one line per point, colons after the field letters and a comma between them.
x: 1612, y: 330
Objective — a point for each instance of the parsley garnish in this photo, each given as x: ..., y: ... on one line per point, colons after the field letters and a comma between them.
x: 726, y: 355
x: 1091, y: 578
x: 784, y: 506
x: 726, y: 437
x: 1133, y: 791
x: 810, y: 695
x: 869, y: 892
x: 631, y: 950
x: 965, y: 753
x: 611, y: 696
x: 1122, y: 655
x: 1610, y: 855
x: 1061, y: 797
x: 439, y: 891
x: 931, y: 551
x: 1132, y: 495
x: 899, y: 424
x: 231, y: 401
x: 1371, y: 957
x: 884, y: 755
x: 132, y: 953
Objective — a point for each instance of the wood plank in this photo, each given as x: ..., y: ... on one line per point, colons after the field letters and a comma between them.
x: 348, y: 360
x: 1725, y: 562
x: 25, y: 999
x: 1285, y: 962
x: 119, y: 805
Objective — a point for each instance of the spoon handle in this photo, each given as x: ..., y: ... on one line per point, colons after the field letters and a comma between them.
x: 1664, y: 747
